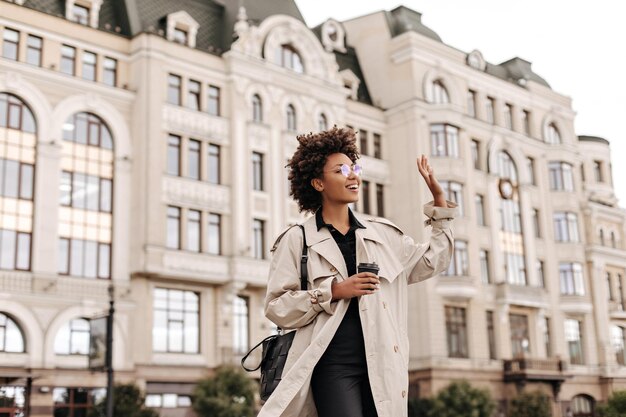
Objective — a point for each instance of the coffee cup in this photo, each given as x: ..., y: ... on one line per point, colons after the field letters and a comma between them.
x: 368, y: 267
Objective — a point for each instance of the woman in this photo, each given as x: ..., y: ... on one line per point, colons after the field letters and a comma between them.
x: 349, y: 357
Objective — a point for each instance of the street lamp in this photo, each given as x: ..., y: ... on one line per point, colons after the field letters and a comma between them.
x: 109, y: 352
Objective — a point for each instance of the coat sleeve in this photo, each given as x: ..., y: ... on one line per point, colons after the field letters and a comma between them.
x: 424, y: 260
x: 286, y: 304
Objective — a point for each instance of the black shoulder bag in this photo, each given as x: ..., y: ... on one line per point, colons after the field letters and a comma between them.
x: 276, y: 347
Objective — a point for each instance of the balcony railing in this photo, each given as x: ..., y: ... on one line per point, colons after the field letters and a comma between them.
x: 523, y: 370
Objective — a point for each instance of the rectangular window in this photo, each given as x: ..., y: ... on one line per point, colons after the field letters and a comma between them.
x: 214, y: 233
x: 176, y: 321
x: 520, y: 342
x: 530, y: 165
x: 89, y: 66
x: 109, y: 72
x: 180, y: 36
x: 213, y: 101
x: 241, y: 325
x: 10, y: 46
x: 16, y: 179
x: 456, y: 332
x: 14, y: 250
x: 490, y: 110
x: 454, y: 193
x: 174, y: 83
x: 508, y: 116
x: 480, y: 210
x: 365, y: 196
x: 173, y: 227
x: 193, y: 159
x: 213, y: 164
x: 510, y: 216
x: 546, y: 337
x: 193, y: 95
x: 541, y: 278
x: 258, y: 239
x: 84, y: 258
x: 173, y: 155
x: 76, y: 402
x: 536, y: 227
x: 444, y: 140
x: 475, y: 147
x: 34, y: 45
x: 514, y: 268
x: 193, y: 230
x: 618, y: 337
x: 597, y: 171
x: 363, y: 142
x: 491, y: 335
x: 380, y: 200
x: 80, y: 14
x: 566, y: 227
x: 471, y: 103
x: 571, y: 278
x: 526, y: 122
x: 377, y: 146
x: 620, y: 293
x: 459, y: 261
x: 68, y: 60
x: 257, y: 171
x: 609, y: 286
x: 574, y: 341
x: 484, y: 267
x: 561, y: 178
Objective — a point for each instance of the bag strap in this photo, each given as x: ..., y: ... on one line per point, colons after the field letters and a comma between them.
x: 243, y: 360
x: 304, y: 273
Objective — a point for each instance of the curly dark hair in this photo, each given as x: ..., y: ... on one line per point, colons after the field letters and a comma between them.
x: 309, y: 159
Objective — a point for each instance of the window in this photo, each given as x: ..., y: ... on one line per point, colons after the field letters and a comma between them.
x: 363, y: 148
x: 10, y: 46
x: 480, y: 210
x: 459, y: 262
x: 193, y: 230
x: 456, y: 332
x: 553, y: 137
x: 618, y: 337
x: 257, y: 171
x: 597, y: 171
x: 571, y: 277
x: 109, y: 72
x: 193, y: 159
x: 380, y: 200
x: 193, y: 95
x: 290, y: 58
x: 76, y: 402
x: 176, y: 321
x: 620, y: 293
x: 609, y: 286
x: 11, y: 336
x: 541, y: 278
x: 213, y: 101
x: 484, y: 267
x: 536, y: 227
x: 89, y: 66
x: 365, y: 196
x: 377, y: 146
x: 514, y: 268
x: 258, y: 239
x: 601, y: 237
x: 444, y: 140
x: 291, y: 118
x: 566, y: 227
x: 561, y: 178
x: 475, y: 147
x: 173, y: 89
x: 491, y: 335
x: 322, y: 122
x: 213, y: 164
x: 16, y: 179
x: 257, y: 109
x: 214, y: 233
x: 546, y: 337
x: 34, y: 44
x: 508, y: 116
x: 13, y: 400
x: 180, y: 36
x: 68, y: 60
x: 84, y: 258
x: 80, y: 14
x: 471, y: 103
x: 173, y: 227
x: 86, y: 192
x: 168, y: 400
x: 520, y: 342
x: 490, y: 110
x: 439, y: 93
x: 530, y: 166
x: 574, y: 341
x: 73, y: 338
x: 526, y: 122
x: 454, y: 192
x: 241, y: 325
x: 613, y: 240
x: 173, y: 155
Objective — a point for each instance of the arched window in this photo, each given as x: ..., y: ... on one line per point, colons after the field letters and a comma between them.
x: 73, y: 338
x: 17, y: 171
x: 86, y: 190
x: 512, y: 239
x: 439, y: 93
x: 291, y: 118
x: 290, y: 58
x: 322, y: 122
x: 11, y: 336
x: 582, y: 406
x: 257, y: 109
x: 553, y: 137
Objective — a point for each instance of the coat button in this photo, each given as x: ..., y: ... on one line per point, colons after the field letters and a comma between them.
x: 403, y: 394
x: 333, y: 269
x: 395, y: 348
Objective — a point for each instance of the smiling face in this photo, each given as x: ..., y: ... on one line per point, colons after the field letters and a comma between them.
x: 335, y: 187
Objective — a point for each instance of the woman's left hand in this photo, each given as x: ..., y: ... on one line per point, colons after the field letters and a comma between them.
x: 433, y: 185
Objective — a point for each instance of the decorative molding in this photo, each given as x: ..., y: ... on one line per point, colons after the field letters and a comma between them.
x: 211, y: 266
x: 197, y: 194
x: 333, y: 36
x: 475, y: 60
x: 195, y: 123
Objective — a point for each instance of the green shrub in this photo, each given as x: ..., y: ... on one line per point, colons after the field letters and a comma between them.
x: 615, y: 407
x: 531, y: 404
x: 128, y: 401
x: 420, y: 407
x: 229, y: 393
x: 460, y: 399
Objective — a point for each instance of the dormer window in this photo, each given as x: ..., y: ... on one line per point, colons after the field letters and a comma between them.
x: 80, y: 14
x: 290, y: 58
x: 84, y: 12
x: 182, y: 28
x: 181, y: 36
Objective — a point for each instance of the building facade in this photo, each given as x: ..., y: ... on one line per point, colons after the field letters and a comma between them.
x: 143, y: 145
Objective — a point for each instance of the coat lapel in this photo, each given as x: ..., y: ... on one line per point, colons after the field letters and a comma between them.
x: 322, y: 243
x: 379, y: 252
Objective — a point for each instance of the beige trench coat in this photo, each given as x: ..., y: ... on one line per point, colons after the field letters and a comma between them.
x: 383, y: 314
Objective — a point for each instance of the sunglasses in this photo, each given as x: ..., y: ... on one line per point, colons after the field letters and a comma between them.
x: 356, y: 168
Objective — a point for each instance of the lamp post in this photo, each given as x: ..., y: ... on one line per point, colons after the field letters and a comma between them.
x: 109, y: 352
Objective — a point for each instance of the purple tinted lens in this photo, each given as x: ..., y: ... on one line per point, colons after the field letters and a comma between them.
x: 357, y: 169
x: 345, y: 170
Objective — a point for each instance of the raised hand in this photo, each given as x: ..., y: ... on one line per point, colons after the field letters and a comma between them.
x: 433, y: 185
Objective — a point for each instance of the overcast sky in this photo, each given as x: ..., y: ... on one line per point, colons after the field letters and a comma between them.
x: 577, y: 46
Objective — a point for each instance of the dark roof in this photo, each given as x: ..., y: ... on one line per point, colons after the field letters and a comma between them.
x: 402, y: 19
x: 349, y: 60
x: 598, y: 139
x: 515, y: 70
